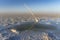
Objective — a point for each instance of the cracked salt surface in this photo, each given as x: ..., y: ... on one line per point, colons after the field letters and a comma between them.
x: 6, y: 34
x: 27, y: 35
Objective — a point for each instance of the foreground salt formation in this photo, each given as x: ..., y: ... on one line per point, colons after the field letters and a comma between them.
x: 7, y: 34
x: 27, y: 35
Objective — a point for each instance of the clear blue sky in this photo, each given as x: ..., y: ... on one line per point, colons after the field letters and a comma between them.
x: 35, y: 5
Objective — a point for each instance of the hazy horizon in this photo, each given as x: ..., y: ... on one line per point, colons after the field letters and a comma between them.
x: 34, y: 5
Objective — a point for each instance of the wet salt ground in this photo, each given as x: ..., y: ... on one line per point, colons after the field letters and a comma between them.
x: 6, y: 34
x: 27, y: 35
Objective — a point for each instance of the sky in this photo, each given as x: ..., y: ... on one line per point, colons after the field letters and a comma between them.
x: 34, y: 5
